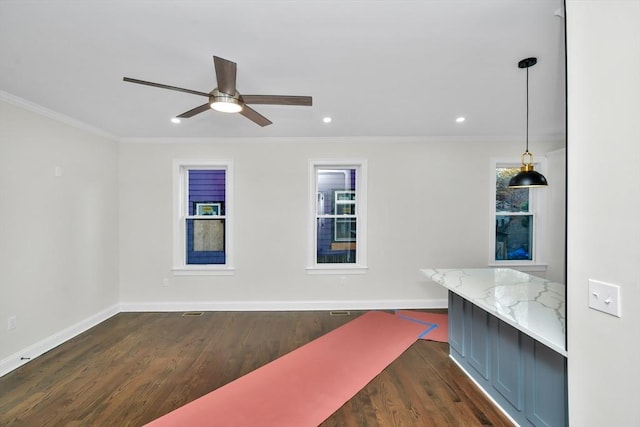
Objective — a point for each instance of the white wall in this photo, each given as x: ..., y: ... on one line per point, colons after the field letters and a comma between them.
x: 427, y: 207
x: 556, y: 225
x: 604, y: 199
x: 58, y: 235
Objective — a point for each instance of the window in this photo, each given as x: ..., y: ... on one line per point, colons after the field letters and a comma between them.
x: 337, y: 216
x: 518, y: 219
x: 203, y: 209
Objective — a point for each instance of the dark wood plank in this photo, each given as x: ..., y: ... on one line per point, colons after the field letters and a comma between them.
x: 136, y: 367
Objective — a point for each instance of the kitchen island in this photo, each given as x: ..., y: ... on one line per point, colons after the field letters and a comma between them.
x: 507, y: 332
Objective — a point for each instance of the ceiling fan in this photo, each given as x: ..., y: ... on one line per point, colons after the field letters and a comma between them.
x: 226, y: 97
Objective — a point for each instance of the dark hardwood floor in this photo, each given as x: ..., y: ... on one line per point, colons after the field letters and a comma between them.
x: 135, y: 367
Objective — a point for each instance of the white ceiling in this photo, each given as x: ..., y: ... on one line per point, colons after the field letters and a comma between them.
x: 378, y: 68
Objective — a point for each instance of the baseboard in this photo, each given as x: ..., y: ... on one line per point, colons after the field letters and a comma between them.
x: 282, y: 305
x: 27, y: 354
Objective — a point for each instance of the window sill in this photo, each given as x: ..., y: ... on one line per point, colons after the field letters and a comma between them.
x: 203, y: 271
x: 524, y: 267
x: 333, y: 269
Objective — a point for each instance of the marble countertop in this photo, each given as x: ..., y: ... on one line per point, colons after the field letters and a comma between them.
x: 533, y: 305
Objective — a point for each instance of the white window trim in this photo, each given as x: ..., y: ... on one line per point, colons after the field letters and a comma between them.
x: 538, y: 199
x: 180, y: 209
x: 360, y: 267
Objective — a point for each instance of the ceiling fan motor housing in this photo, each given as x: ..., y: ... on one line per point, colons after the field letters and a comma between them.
x: 224, y: 102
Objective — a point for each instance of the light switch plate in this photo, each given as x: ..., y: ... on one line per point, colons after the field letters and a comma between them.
x: 605, y: 297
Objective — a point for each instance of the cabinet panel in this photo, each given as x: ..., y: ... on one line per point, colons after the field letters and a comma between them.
x: 508, y: 363
x: 546, y: 392
x: 456, y: 323
x: 477, y: 340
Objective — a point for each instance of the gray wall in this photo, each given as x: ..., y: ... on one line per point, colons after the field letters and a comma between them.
x: 58, y: 235
x: 603, y: 228
x: 428, y: 206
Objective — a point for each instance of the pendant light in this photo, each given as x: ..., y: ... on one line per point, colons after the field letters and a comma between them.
x: 527, y: 177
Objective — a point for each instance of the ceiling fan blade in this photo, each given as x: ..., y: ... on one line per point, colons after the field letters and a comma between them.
x: 277, y: 99
x: 201, y: 109
x: 179, y: 89
x: 254, y: 116
x: 225, y: 75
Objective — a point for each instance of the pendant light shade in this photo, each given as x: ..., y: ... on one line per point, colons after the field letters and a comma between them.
x: 527, y: 177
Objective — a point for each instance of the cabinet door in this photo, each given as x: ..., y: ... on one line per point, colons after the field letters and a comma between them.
x: 508, y: 363
x: 456, y: 323
x: 477, y: 339
x: 546, y: 379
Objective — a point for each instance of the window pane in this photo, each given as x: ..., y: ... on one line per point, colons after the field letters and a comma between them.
x: 205, y: 241
x: 205, y: 238
x: 344, y: 230
x: 345, y: 196
x: 336, y: 196
x: 345, y: 209
x: 510, y: 199
x: 514, y: 237
x: 206, y: 187
x: 336, y: 243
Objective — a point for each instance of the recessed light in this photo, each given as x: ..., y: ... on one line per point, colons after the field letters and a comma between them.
x: 460, y: 119
x: 327, y: 119
x: 175, y: 120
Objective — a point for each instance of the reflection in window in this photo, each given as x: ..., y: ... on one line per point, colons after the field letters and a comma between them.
x: 514, y: 219
x: 205, y: 221
x: 514, y: 237
x: 336, y: 216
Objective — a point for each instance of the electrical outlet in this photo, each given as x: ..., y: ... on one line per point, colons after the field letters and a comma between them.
x: 12, y: 322
x: 165, y: 282
x: 605, y: 297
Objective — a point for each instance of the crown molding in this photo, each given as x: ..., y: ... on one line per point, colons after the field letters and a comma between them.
x: 43, y: 111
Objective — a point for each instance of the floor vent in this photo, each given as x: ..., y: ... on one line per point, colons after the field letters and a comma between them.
x: 340, y: 313
x: 193, y: 313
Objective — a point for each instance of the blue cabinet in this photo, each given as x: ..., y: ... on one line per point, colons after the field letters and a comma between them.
x: 456, y: 324
x: 478, y: 342
x: 546, y: 379
x: 508, y: 363
x: 526, y: 378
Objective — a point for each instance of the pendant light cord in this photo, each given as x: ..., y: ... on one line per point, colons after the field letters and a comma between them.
x: 527, y: 137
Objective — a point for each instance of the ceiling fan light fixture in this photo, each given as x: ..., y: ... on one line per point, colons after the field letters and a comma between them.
x: 527, y: 177
x: 225, y: 103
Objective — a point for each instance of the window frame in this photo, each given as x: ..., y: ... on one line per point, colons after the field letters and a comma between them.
x: 537, y: 209
x: 181, y: 214
x: 360, y: 266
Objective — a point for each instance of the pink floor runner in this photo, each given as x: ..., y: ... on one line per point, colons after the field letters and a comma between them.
x: 304, y: 387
